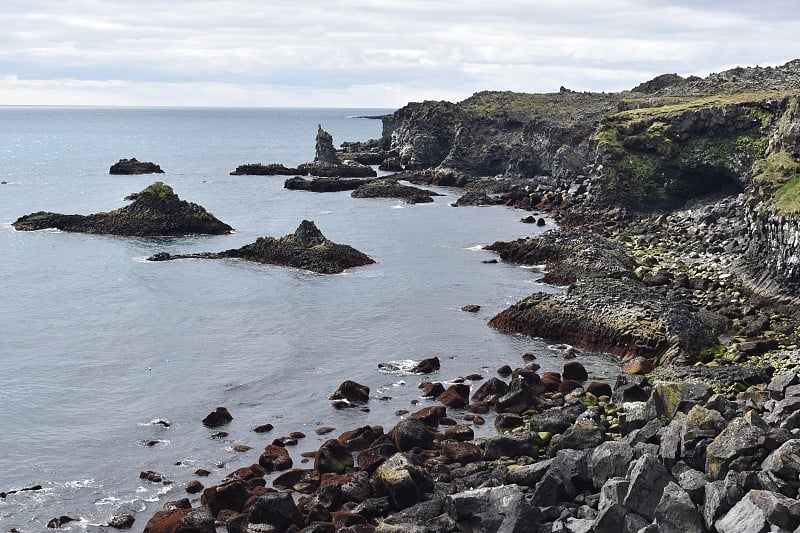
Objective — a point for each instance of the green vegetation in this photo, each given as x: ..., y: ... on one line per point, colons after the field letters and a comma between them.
x: 158, y: 191
x: 778, y: 177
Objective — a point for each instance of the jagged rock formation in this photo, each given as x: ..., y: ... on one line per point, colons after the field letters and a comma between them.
x: 617, y: 316
x: 325, y: 152
x: 259, y: 169
x: 306, y: 248
x: 132, y: 166
x: 156, y: 210
x: 389, y: 188
x: 298, y: 183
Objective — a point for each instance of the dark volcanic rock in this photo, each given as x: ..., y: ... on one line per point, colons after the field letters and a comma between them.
x: 569, y: 255
x: 388, y: 188
x: 156, y: 210
x: 132, y: 166
x: 306, y: 248
x: 219, y: 417
x: 610, y: 315
x: 258, y: 169
x: 323, y: 184
x: 325, y: 152
x: 351, y: 392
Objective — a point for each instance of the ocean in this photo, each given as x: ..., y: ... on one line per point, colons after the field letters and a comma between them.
x: 98, y: 345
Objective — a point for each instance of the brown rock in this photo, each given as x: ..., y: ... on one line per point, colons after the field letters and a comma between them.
x: 430, y: 415
x: 459, y: 432
x: 194, y: 486
x: 638, y: 365
x: 508, y: 421
x: 568, y: 385
x: 411, y: 433
x: 551, y: 381
x: 275, y: 458
x: 232, y: 495
x: 219, y: 417
x: 426, y: 366
x: 333, y: 456
x: 490, y: 390
x: 431, y: 388
x: 174, y: 519
x: 296, y: 476
x: 598, y: 389
x: 461, y: 452
x: 360, y: 438
x: 324, y: 430
x: 504, y: 370
x: 264, y: 428
x: 456, y: 396
x: 351, y: 392
x: 574, y: 370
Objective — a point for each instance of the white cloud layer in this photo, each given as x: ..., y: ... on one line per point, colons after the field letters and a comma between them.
x: 369, y: 52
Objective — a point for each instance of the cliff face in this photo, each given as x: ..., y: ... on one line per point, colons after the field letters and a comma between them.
x: 667, y: 142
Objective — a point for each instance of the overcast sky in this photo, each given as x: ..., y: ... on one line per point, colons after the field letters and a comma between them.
x: 369, y: 53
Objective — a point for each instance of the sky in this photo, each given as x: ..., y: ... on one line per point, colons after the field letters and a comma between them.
x: 369, y: 53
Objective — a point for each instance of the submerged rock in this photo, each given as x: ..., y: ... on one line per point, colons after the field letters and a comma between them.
x: 155, y: 211
x: 306, y: 248
x: 323, y: 184
x: 388, y: 188
x: 259, y: 169
x: 132, y: 166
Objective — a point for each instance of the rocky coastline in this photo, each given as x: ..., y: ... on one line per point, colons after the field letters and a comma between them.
x: 667, y: 197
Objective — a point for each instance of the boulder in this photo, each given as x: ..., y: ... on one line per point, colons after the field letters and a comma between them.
x: 411, y: 433
x: 609, y: 459
x: 155, y: 211
x: 360, y: 438
x: 510, y: 446
x: 742, y: 438
x: 761, y: 510
x: 676, y: 513
x: 307, y: 249
x: 402, y: 481
x: 276, y: 509
x: 461, y: 452
x: 333, y: 456
x: 456, y: 396
x: 275, y: 458
x: 231, y: 496
x: 493, y: 509
x: 219, y: 417
x: 351, y: 392
x: 430, y: 415
x: 567, y: 476
x: 784, y: 463
x: 582, y: 435
x: 490, y: 390
x: 179, y: 517
x: 648, y: 478
x: 132, y: 166
x: 575, y: 371
x: 556, y: 419
x: 427, y: 366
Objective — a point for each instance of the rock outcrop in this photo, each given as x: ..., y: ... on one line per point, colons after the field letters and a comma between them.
x: 306, y: 248
x: 155, y: 211
x: 132, y: 166
x: 298, y: 183
x: 389, y: 188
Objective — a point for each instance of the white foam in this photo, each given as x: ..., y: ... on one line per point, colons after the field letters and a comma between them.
x: 398, y: 206
x: 475, y: 248
x: 402, y: 366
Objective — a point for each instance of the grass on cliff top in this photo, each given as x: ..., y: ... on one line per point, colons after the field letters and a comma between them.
x: 779, y: 176
x: 682, y: 104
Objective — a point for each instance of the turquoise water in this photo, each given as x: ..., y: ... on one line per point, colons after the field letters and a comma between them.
x: 96, y: 343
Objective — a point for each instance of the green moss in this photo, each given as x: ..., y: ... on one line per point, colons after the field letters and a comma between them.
x: 158, y: 191
x: 778, y: 177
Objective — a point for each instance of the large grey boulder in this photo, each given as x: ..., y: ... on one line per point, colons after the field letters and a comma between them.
x: 648, y: 478
x: 761, y: 511
x: 567, y: 477
x: 493, y: 509
x: 784, y: 463
x: 676, y: 513
x: 743, y: 437
x: 404, y: 482
x: 609, y: 459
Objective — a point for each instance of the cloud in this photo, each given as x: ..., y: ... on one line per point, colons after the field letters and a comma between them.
x: 244, y: 52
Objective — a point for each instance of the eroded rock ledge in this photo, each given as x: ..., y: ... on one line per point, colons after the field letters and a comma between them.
x: 155, y: 211
x: 307, y: 248
x: 132, y: 166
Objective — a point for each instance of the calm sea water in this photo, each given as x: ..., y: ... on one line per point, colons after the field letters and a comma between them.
x: 96, y: 343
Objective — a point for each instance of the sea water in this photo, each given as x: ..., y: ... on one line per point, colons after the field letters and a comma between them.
x: 99, y: 348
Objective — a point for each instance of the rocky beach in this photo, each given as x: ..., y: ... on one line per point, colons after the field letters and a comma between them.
x: 678, y: 215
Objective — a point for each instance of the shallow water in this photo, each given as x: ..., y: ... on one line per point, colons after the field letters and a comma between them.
x: 96, y: 343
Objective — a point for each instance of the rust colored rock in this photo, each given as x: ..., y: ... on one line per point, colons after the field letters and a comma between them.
x: 351, y: 392
x: 551, y: 381
x: 344, y: 519
x: 202, y: 472
x: 430, y: 415
x: 295, y: 476
x: 568, y: 385
x: 490, y: 391
x: 478, y: 407
x: 360, y: 438
x: 275, y: 458
x: 352, y: 487
x: 427, y: 366
x: 638, y: 365
x: 369, y: 463
x: 230, y: 496
x: 598, y: 389
x: 333, y: 456
x: 219, y: 417
x: 263, y: 428
x: 194, y: 486
x: 575, y: 371
x: 324, y: 430
x: 504, y: 370
x: 431, y: 388
x: 447, y: 421
x: 461, y: 452
x: 459, y: 432
x: 456, y: 396
x: 180, y: 520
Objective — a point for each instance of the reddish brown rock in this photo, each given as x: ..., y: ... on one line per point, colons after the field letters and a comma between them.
x: 551, y: 381
x: 568, y: 385
x: 219, y: 417
x: 490, y: 390
x: 333, y: 456
x: 478, y: 407
x: 638, y: 365
x: 427, y: 366
x: 360, y: 438
x: 351, y: 392
x: 179, y: 517
x: 456, y: 396
x: 296, y: 476
x: 461, y: 452
x: 411, y: 433
x: 275, y: 458
x: 430, y: 415
x: 504, y: 370
x: 598, y: 389
x: 459, y: 432
x: 230, y: 496
x: 324, y: 430
x: 194, y: 486
x: 263, y: 428
x: 431, y: 388
x: 508, y: 421
x: 574, y: 370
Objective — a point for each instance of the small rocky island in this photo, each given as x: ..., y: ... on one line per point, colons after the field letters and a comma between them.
x: 155, y: 211
x: 307, y: 248
x: 132, y: 166
x: 327, y: 164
